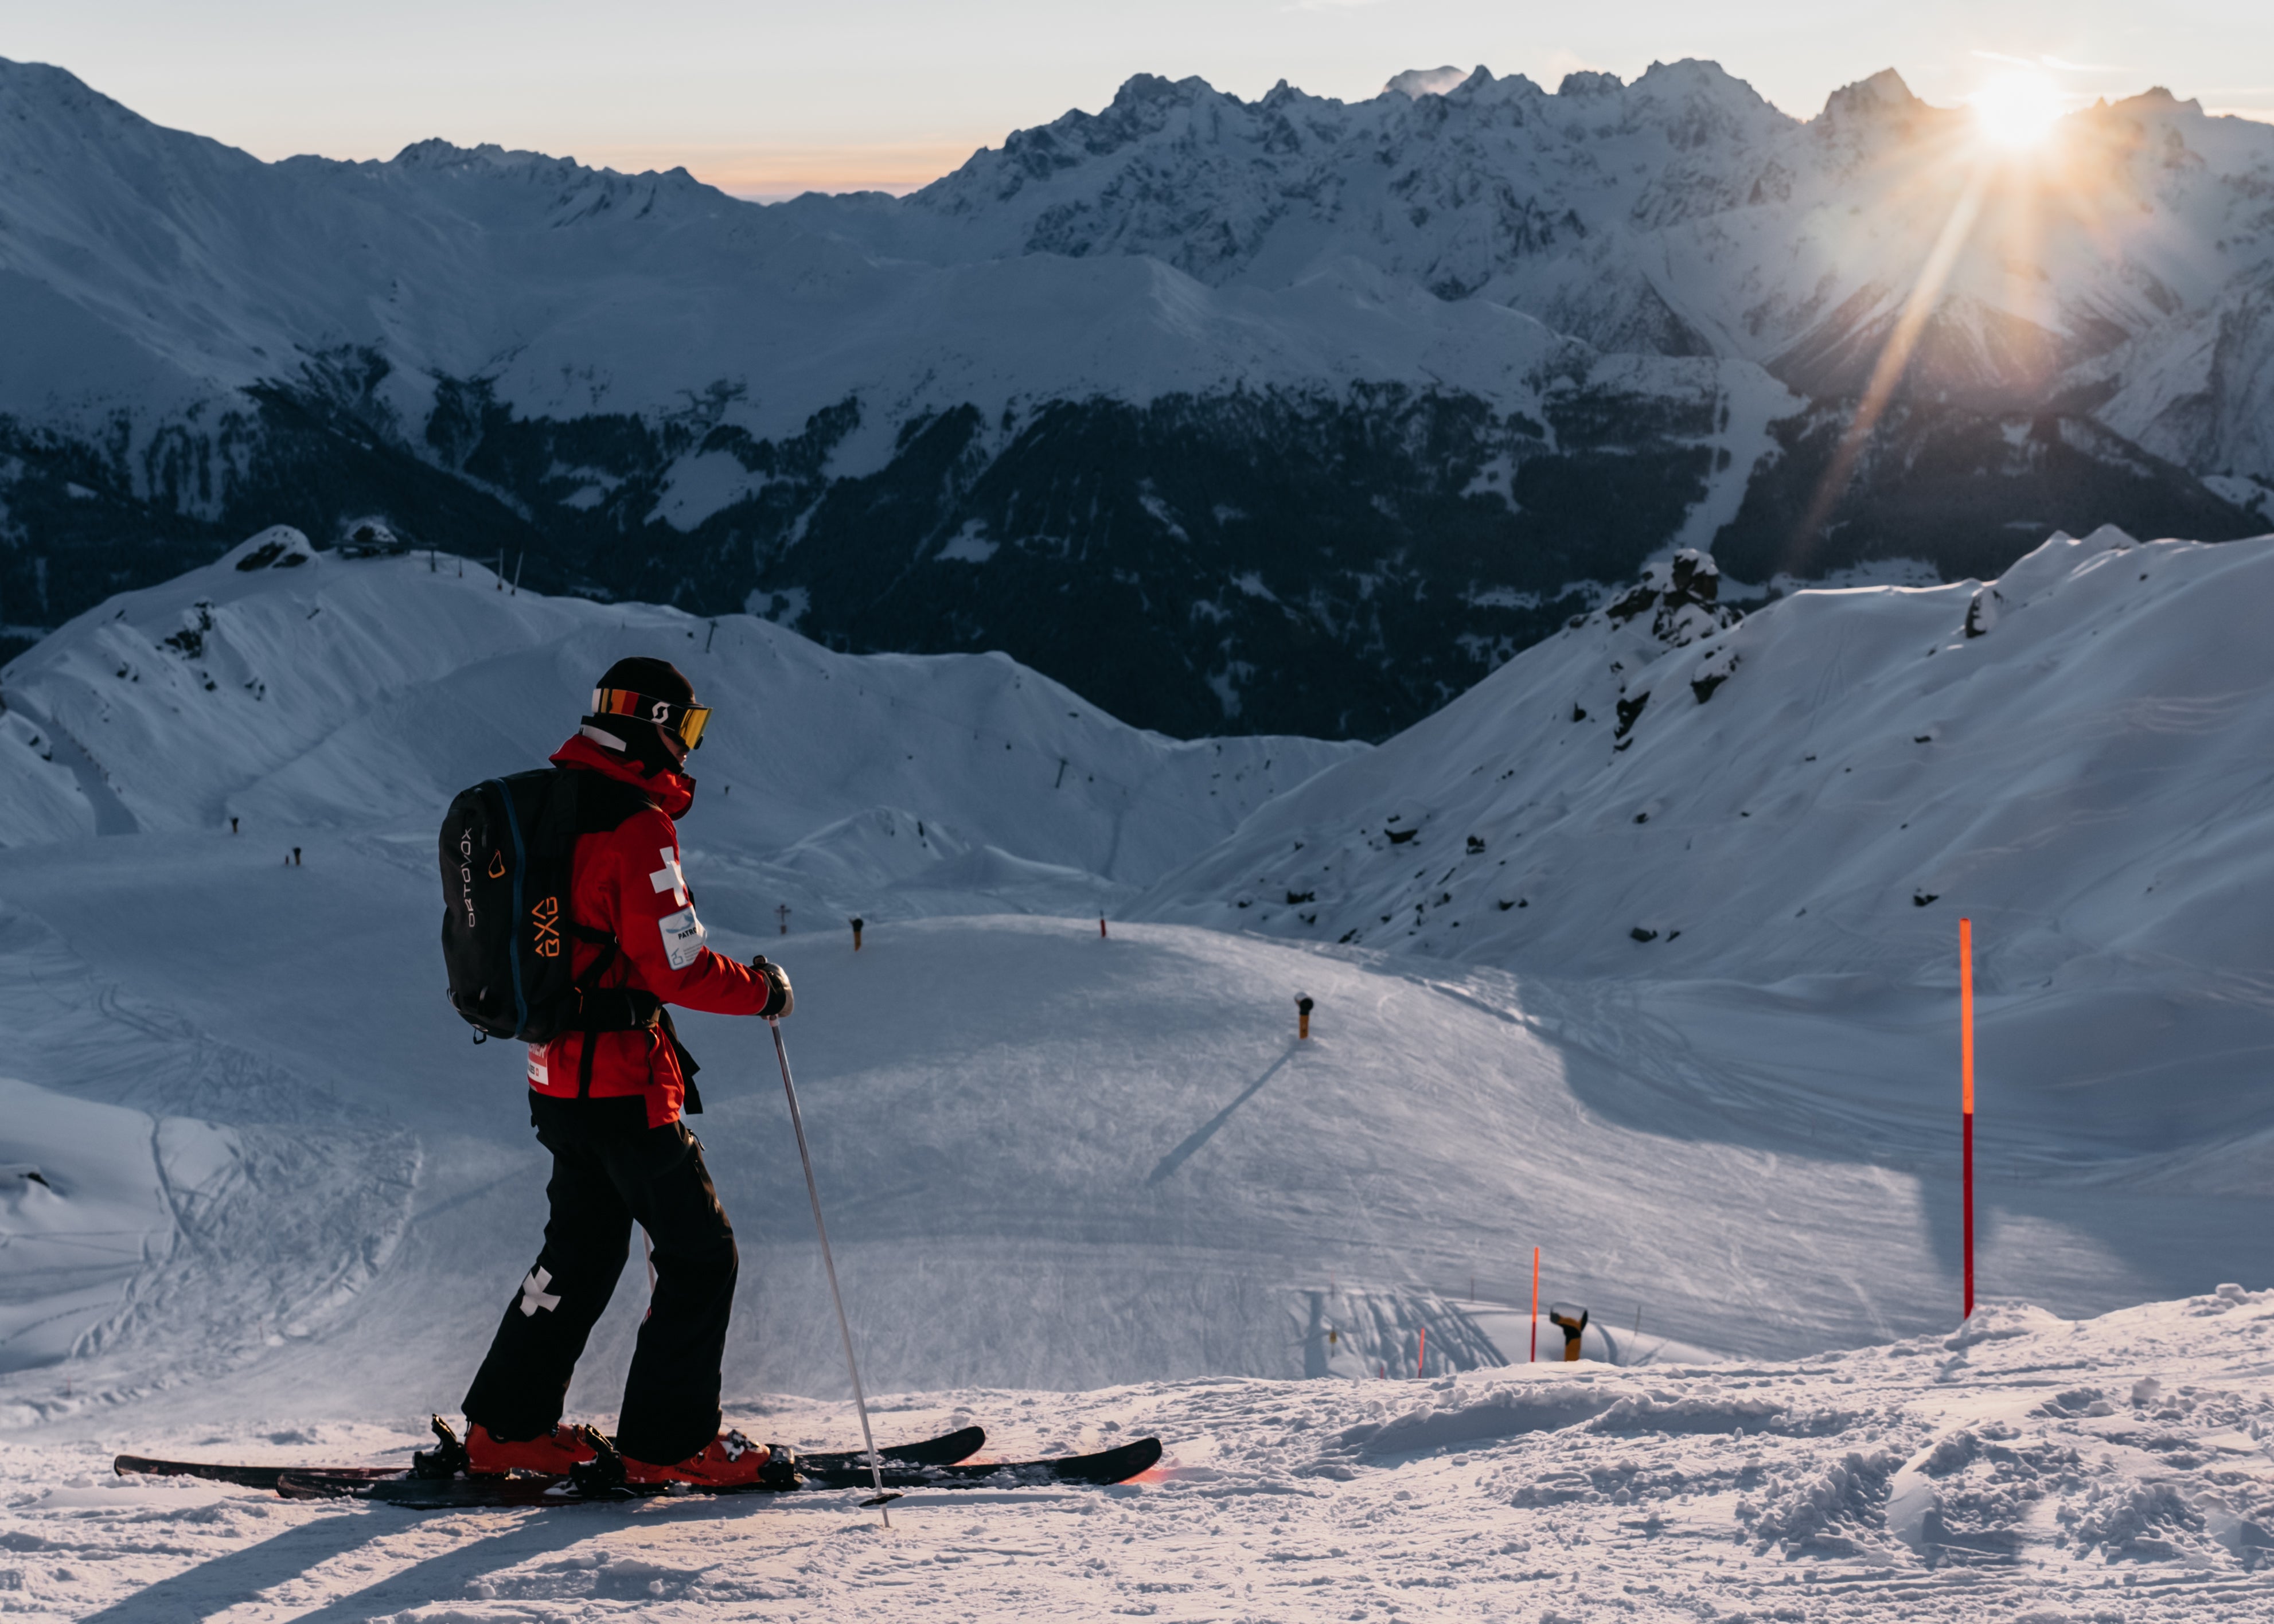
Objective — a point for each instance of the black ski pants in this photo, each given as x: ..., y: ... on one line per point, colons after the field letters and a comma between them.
x: 610, y: 1171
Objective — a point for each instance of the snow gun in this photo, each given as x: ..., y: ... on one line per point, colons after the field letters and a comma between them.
x: 1572, y: 1321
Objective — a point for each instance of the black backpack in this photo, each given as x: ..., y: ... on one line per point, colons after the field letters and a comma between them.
x: 506, y: 846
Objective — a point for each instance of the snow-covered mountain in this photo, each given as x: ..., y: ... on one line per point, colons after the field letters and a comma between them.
x: 1760, y: 830
x: 1289, y: 414
x: 297, y: 689
x: 2075, y: 751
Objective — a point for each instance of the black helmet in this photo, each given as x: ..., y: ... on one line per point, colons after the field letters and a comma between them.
x: 647, y: 690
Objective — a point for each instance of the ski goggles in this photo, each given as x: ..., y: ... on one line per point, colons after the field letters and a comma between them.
x: 686, y: 722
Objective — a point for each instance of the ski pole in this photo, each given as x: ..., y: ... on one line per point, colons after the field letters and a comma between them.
x: 829, y: 1266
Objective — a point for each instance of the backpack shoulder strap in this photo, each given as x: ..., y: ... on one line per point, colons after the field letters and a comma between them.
x: 581, y: 802
x: 603, y: 803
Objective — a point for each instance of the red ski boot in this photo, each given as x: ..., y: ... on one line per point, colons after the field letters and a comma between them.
x: 555, y: 1454
x: 729, y: 1460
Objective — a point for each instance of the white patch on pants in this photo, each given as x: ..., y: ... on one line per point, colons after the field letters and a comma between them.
x: 534, y: 1295
x: 683, y: 937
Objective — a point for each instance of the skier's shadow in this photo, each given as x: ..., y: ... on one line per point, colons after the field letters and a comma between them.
x: 243, y: 1576
x: 1200, y: 1135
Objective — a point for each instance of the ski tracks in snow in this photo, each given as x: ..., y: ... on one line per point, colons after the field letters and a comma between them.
x: 200, y: 1197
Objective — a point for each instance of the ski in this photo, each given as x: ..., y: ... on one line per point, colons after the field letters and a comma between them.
x: 943, y: 1450
x: 839, y: 1472
x: 230, y: 1471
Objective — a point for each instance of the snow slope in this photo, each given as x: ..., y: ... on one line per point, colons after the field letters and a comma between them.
x: 331, y: 705
x: 2115, y: 1468
x: 1051, y: 1160
x: 1112, y: 1145
x: 2082, y: 778
x: 1775, y: 824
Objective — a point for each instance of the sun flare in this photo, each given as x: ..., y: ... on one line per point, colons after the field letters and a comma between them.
x: 2017, y: 109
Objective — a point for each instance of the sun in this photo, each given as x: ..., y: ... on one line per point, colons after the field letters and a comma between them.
x: 2017, y: 109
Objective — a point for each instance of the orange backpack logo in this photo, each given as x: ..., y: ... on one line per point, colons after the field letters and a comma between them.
x: 545, y: 917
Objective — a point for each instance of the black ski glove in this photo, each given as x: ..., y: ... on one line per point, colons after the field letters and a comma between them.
x: 779, y: 1000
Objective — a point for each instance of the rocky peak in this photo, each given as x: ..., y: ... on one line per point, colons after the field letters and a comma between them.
x: 1586, y: 83
x: 1415, y: 83
x: 1881, y: 101
x: 1681, y: 594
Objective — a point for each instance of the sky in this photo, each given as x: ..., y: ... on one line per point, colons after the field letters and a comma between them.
x: 765, y: 99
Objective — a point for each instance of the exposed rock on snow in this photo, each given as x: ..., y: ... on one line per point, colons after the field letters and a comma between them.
x: 1681, y: 593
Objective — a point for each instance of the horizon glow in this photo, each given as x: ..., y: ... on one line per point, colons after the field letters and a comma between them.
x: 768, y: 99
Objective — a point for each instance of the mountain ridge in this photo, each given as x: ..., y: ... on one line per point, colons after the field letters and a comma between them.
x: 1431, y: 372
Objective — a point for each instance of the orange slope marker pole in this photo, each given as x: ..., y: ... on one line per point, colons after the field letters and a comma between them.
x: 1966, y: 1067
x: 1535, y: 1305
x: 1421, y: 1356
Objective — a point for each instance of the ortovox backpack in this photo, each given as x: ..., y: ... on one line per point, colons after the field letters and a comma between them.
x: 506, y: 846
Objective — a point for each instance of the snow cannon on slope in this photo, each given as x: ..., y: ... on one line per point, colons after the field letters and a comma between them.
x: 1572, y: 1321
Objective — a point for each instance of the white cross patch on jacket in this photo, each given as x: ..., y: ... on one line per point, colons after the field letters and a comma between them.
x: 669, y: 878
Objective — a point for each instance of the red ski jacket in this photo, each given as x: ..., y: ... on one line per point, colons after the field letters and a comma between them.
x: 627, y: 882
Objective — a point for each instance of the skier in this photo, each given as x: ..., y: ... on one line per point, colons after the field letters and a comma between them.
x: 607, y: 1105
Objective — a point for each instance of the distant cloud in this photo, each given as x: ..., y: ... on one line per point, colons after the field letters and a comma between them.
x: 1327, y: 6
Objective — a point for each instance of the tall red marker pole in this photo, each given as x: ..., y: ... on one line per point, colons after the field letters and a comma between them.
x: 1535, y: 1305
x: 1966, y: 1066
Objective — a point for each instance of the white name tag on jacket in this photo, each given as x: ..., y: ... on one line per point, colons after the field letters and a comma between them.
x: 683, y: 937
